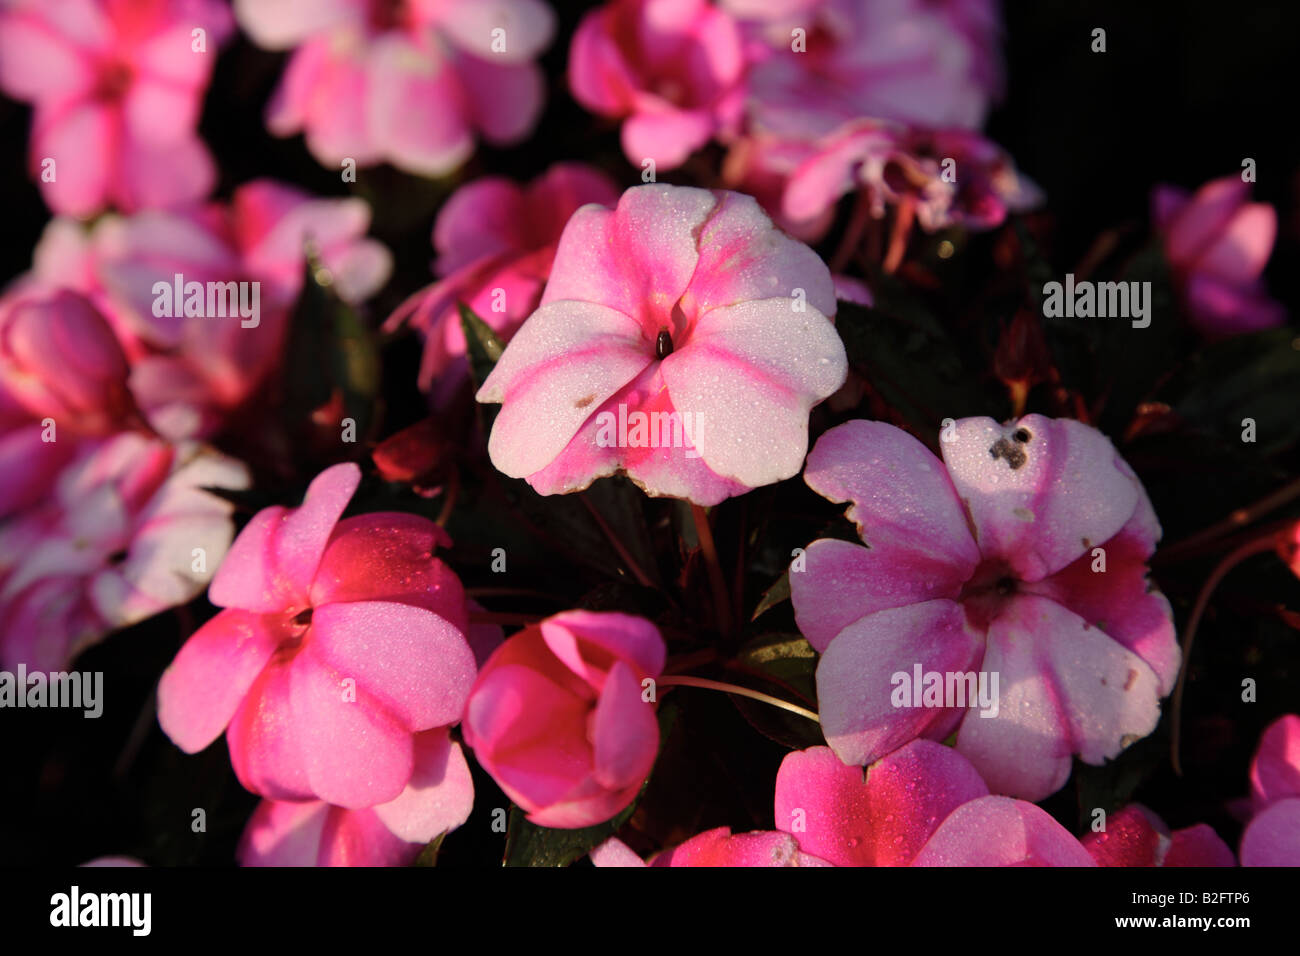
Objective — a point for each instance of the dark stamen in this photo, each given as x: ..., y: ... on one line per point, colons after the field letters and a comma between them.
x: 663, y: 345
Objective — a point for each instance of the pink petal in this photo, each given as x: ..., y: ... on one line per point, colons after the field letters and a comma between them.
x: 590, y: 642
x: 1273, y: 837
x: 503, y: 101
x: 171, y: 174
x: 1040, y: 503
x: 1065, y: 688
x: 721, y: 847
x: 264, y: 738
x: 1204, y: 218
x: 528, y: 26
x: 625, y: 734
x: 37, y: 61
x: 999, y: 831
x: 567, y: 359
x: 855, y: 682
x: 667, y: 136
x: 637, y: 259
x: 1122, y: 601
x: 82, y: 140
x: 1275, y: 770
x: 416, y: 665
x: 271, y: 565
x: 281, y: 24
x: 480, y: 219
x: 389, y: 556
x: 614, y: 852
x: 439, y: 796
x: 211, y: 675
x: 743, y: 257
x: 1240, y: 252
x: 883, y: 821
x: 355, y: 752
x: 432, y: 138
x: 750, y: 374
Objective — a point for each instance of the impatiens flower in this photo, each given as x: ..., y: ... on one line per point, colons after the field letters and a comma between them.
x: 495, y: 242
x: 116, y: 88
x: 62, y: 379
x: 339, y: 642
x: 943, y: 178
x: 128, y: 530
x: 558, y: 716
x: 671, y: 69
x: 408, y: 82
x: 191, y: 370
x: 437, y: 799
x: 717, y: 847
x: 923, y: 805
x: 681, y: 340
x: 1272, y: 838
x: 1134, y: 836
x: 1002, y: 594
x: 1217, y: 243
x: 826, y: 62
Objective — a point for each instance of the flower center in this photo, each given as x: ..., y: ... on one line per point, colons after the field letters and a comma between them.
x: 113, y: 81
x: 663, y: 344
x: 987, y: 592
x: 388, y: 15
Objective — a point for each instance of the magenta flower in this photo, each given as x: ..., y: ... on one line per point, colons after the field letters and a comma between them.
x: 943, y: 178
x: 339, y: 642
x: 922, y: 805
x: 191, y: 372
x: 437, y: 799
x: 1217, y: 243
x: 670, y: 69
x: 402, y: 81
x: 1134, y: 836
x: 127, y: 530
x: 560, y: 718
x: 116, y: 88
x: 913, y: 61
x: 681, y: 340
x: 986, y: 569
x: 63, y: 379
x: 1272, y: 838
x: 495, y: 242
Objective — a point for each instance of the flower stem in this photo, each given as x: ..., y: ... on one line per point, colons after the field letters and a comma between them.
x: 898, y: 237
x: 1238, y: 519
x: 1247, y: 550
x: 624, y: 555
x: 684, y: 681
x: 722, y: 606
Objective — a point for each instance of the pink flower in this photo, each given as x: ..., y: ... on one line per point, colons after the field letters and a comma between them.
x: 339, y: 643
x: 403, y: 81
x: 987, y: 563
x: 437, y: 799
x: 495, y: 242
x: 62, y: 379
x: 1134, y: 836
x: 116, y: 87
x: 681, y: 340
x: 922, y: 805
x: 557, y: 716
x: 717, y: 847
x: 190, y: 373
x: 128, y: 530
x: 944, y: 177
x: 671, y: 69
x: 913, y: 61
x: 1217, y: 243
x: 1272, y: 838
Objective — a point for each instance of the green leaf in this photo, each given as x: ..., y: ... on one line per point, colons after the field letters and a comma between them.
x: 783, y: 666
x: 778, y: 592
x: 1247, y: 376
x: 483, y: 345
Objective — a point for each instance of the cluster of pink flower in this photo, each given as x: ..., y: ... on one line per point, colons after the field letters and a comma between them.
x: 344, y: 654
